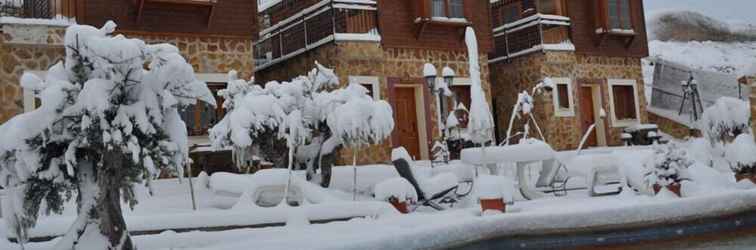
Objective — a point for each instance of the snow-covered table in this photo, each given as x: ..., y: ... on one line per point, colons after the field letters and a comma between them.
x: 523, y: 155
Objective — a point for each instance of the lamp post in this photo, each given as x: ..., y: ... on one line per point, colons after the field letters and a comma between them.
x: 439, y: 88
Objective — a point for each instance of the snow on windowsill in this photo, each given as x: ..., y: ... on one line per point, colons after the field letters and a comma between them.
x: 56, y: 21
x: 361, y: 37
x: 627, y: 32
x: 563, y: 46
x: 442, y: 19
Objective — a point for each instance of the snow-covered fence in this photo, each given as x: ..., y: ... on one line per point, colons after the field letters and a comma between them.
x: 668, y: 94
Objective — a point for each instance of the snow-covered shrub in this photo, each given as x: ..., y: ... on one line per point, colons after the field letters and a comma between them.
x: 311, y: 113
x: 105, y: 124
x: 725, y: 120
x: 668, y: 166
x: 741, y: 154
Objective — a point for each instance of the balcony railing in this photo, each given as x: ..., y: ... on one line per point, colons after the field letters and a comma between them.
x: 531, y: 34
x: 43, y: 9
x: 324, y: 22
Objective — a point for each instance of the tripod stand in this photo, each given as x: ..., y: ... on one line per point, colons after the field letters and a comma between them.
x: 690, y: 91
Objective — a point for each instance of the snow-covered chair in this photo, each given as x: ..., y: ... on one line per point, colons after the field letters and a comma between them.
x: 431, y: 191
x: 265, y: 188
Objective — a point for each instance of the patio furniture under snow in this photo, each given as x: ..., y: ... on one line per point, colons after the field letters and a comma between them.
x: 440, y: 188
x: 265, y: 189
x: 538, y: 152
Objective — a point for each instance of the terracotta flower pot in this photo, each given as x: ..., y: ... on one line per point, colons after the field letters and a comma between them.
x: 400, y: 206
x: 751, y: 177
x: 674, y: 188
x: 493, y: 204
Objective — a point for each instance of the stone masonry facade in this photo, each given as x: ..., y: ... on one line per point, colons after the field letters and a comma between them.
x: 25, y: 47
x: 370, y: 59
x: 562, y: 133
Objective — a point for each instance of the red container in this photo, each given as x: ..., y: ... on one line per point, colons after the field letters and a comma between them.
x: 750, y: 177
x: 401, y: 206
x: 494, y: 204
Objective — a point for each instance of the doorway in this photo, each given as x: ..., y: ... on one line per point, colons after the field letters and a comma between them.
x: 590, y: 113
x: 410, y: 127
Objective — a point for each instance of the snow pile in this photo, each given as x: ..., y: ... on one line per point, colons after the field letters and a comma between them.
x: 528, y: 150
x: 730, y: 58
x: 438, y: 183
x: 396, y: 187
x: 741, y: 154
x: 669, y: 165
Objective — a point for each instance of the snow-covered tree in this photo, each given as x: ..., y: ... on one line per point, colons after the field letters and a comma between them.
x: 104, y: 125
x: 327, y: 117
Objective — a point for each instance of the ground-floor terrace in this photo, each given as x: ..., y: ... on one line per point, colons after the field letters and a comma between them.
x: 394, y: 75
x: 587, y: 90
x: 713, y: 204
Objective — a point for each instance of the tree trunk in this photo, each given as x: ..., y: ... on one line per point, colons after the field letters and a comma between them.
x: 100, y: 223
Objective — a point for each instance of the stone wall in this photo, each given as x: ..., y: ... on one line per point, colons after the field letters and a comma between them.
x: 563, y: 133
x: 208, y: 53
x: 370, y: 59
x: 673, y: 128
x: 25, y: 47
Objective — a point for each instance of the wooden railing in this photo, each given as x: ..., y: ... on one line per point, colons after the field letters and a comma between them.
x: 311, y: 28
x: 531, y: 34
x: 44, y: 9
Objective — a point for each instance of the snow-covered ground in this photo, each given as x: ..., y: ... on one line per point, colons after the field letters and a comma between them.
x: 380, y: 227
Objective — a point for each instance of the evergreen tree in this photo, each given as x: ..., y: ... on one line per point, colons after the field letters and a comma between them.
x: 105, y: 124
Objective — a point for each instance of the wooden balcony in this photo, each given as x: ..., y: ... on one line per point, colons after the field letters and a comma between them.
x: 323, y: 23
x: 532, y: 34
x: 43, y: 9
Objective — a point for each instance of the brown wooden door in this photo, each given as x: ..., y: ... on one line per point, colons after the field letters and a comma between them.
x: 587, y: 115
x: 405, y: 115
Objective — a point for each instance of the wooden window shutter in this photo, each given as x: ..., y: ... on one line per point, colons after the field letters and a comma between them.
x: 601, y: 14
x: 422, y: 8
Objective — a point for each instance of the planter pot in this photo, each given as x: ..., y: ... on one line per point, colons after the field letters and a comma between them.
x: 400, y: 206
x: 750, y: 177
x: 492, y: 204
x: 674, y: 188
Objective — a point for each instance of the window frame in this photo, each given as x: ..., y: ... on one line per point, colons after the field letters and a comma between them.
x: 603, y: 22
x: 447, y: 9
x: 559, y: 111
x: 373, y: 81
x: 624, y: 122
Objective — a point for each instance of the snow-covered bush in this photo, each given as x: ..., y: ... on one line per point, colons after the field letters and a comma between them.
x: 312, y: 109
x: 741, y: 154
x: 668, y: 166
x: 105, y: 124
x: 725, y: 120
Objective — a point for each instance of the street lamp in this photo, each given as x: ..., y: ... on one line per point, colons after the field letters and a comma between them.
x: 438, y: 89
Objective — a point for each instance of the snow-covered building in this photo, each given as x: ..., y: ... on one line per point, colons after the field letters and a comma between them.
x: 382, y: 45
x: 214, y: 36
x: 591, y: 50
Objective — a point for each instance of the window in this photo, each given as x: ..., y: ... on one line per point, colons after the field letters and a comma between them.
x: 511, y: 13
x: 448, y: 8
x: 200, y: 117
x: 371, y: 83
x: 615, y: 15
x: 551, y: 7
x: 562, y: 97
x: 624, y: 102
